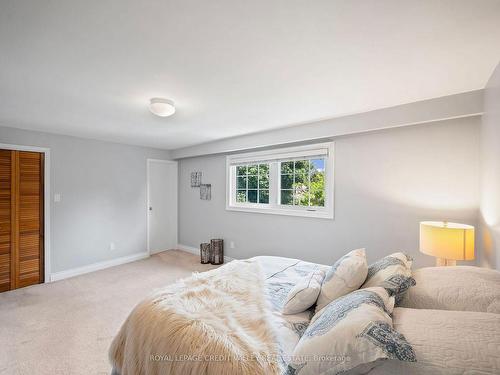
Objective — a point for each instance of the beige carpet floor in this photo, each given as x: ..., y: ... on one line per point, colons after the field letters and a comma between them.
x: 66, y: 327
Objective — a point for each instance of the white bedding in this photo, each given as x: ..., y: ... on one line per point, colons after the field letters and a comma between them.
x: 281, y: 275
x: 447, y: 343
x: 461, y: 288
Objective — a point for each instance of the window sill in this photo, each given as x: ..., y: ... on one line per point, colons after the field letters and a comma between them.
x: 280, y: 211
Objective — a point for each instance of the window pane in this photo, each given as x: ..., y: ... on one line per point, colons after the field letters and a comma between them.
x: 263, y: 196
x: 252, y: 182
x: 241, y: 170
x: 252, y: 169
x: 287, y: 197
x: 241, y: 196
x: 241, y: 183
x: 301, y: 196
x: 263, y: 169
x: 286, y: 181
x: 318, y: 189
x: 287, y: 167
x: 302, y: 167
x: 301, y: 178
x: 318, y: 165
x: 317, y: 182
x: 263, y: 182
x: 252, y: 196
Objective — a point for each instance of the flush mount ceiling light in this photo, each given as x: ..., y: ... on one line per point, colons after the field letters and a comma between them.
x: 161, y: 107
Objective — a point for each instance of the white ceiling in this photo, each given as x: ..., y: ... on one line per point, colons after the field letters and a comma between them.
x: 88, y: 68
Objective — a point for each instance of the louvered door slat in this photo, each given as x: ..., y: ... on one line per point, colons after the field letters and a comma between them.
x: 5, y: 219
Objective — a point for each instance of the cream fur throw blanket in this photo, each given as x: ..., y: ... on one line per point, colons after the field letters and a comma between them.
x: 215, y: 322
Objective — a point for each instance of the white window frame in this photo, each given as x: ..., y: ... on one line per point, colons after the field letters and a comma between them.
x: 325, y: 150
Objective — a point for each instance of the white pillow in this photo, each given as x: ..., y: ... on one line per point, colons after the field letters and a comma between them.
x: 447, y: 342
x: 346, y: 275
x: 461, y: 288
x: 305, y: 293
x: 351, y: 333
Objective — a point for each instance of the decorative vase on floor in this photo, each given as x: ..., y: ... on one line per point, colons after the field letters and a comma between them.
x: 205, y: 253
x: 217, y: 251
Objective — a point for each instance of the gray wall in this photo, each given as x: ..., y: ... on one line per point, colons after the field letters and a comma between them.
x: 385, y: 183
x: 490, y: 174
x: 103, y: 189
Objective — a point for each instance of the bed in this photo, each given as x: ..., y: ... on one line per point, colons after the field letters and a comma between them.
x: 437, y: 345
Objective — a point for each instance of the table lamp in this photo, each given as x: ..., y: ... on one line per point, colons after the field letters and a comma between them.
x: 448, y: 242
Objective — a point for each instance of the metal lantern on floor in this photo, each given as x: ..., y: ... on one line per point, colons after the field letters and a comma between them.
x: 217, y: 251
x: 205, y: 253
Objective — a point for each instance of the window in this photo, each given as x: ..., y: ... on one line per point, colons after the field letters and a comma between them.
x: 252, y: 183
x: 303, y: 182
x: 292, y: 181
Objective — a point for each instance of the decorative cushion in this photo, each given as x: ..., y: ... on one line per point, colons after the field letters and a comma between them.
x: 461, y: 288
x: 392, y: 272
x: 305, y: 293
x: 346, y: 275
x: 350, y: 334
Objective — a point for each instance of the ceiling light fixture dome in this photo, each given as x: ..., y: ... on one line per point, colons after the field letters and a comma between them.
x: 162, y: 107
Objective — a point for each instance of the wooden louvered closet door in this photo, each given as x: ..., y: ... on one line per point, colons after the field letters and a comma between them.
x: 21, y: 219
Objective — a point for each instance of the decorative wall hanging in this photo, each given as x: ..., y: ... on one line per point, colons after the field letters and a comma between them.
x: 205, y: 192
x: 195, y: 179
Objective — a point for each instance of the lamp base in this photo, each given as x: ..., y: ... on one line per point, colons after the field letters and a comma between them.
x: 440, y: 262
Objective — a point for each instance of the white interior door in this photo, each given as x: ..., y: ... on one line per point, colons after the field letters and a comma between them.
x: 162, y: 205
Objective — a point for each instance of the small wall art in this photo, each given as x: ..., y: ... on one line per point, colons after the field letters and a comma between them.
x: 205, y: 192
x: 195, y: 179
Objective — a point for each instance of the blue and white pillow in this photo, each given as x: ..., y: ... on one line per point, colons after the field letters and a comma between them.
x: 397, y: 286
x: 392, y: 272
x: 346, y: 275
x: 351, y: 333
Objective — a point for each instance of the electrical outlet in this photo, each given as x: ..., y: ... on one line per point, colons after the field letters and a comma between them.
x: 231, y: 245
x: 112, y: 246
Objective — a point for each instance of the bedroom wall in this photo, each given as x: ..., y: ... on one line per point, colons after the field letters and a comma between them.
x: 490, y: 174
x: 103, y: 196
x: 385, y: 183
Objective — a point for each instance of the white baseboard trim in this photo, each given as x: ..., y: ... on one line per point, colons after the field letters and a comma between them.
x: 97, y: 266
x: 196, y: 251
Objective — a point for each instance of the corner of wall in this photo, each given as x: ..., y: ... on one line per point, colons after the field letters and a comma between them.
x: 489, y: 220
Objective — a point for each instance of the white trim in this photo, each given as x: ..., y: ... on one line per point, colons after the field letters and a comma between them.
x: 162, y: 161
x: 46, y: 200
x: 196, y: 251
x: 326, y: 149
x: 316, y: 149
x: 97, y: 266
x: 278, y: 211
x: 148, y: 162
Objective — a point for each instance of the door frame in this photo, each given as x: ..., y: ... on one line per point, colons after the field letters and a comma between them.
x: 46, y: 200
x: 148, y: 162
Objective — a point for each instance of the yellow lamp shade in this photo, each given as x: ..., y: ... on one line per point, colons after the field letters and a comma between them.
x: 447, y: 240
